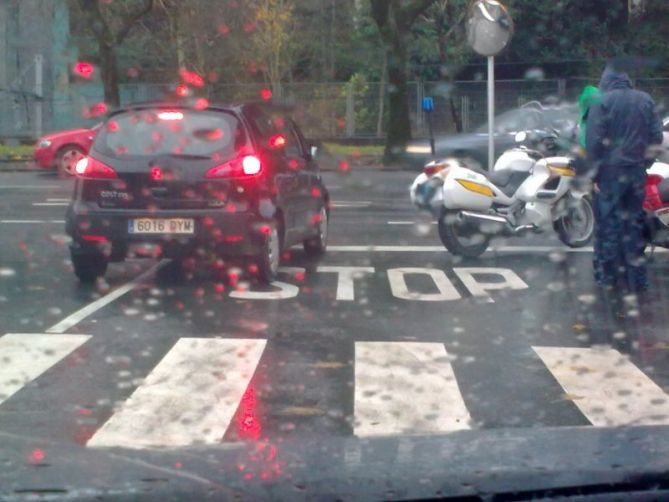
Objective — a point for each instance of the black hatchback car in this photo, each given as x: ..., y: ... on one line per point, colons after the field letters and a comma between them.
x: 237, y: 181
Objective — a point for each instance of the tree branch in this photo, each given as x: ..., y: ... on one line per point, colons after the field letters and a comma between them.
x: 410, y: 12
x: 379, y: 12
x: 132, y: 18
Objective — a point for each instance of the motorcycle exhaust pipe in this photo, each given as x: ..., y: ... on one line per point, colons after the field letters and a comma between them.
x: 490, y: 218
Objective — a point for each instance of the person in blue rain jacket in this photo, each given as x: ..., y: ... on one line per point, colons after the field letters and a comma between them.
x: 621, y: 126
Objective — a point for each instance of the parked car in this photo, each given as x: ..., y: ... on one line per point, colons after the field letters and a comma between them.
x: 238, y: 181
x: 531, y: 118
x: 62, y: 150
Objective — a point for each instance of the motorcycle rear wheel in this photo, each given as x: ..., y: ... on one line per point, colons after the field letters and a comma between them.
x: 462, y: 238
x: 580, y: 215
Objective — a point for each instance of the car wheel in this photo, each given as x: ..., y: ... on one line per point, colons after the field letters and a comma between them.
x: 89, y: 266
x: 316, y: 246
x: 268, y: 261
x: 67, y: 158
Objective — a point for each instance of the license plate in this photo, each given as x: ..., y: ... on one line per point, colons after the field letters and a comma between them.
x: 161, y: 226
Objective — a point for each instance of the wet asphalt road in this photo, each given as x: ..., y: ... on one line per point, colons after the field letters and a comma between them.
x: 336, y: 349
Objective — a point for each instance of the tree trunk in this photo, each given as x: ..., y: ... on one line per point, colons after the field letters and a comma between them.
x: 382, y: 95
x: 110, y: 74
x: 399, y: 125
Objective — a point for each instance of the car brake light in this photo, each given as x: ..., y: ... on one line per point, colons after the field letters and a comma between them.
x: 171, y: 116
x: 94, y: 238
x: 88, y: 167
x: 248, y: 165
x: 277, y: 141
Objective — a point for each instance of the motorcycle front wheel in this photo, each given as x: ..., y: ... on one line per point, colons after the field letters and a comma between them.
x: 576, y: 227
x: 462, y: 238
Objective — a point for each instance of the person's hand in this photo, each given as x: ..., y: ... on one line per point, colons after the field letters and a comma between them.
x: 595, y: 187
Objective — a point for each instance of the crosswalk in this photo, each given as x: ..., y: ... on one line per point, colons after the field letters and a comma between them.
x: 192, y: 394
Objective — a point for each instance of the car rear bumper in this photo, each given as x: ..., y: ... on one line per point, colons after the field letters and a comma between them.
x: 228, y: 234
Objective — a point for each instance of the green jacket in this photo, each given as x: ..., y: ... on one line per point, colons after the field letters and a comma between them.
x: 589, y: 96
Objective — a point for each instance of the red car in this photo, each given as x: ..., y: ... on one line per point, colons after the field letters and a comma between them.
x: 62, y: 150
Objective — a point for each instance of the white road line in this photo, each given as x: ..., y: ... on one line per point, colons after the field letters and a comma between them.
x: 190, y: 397
x: 406, y: 388
x: 607, y: 388
x: 49, y: 204
x: 351, y: 203
x: 24, y: 357
x: 441, y: 249
x: 29, y: 187
x: 59, y: 200
x: 31, y: 221
x: 408, y: 223
x: 91, y: 308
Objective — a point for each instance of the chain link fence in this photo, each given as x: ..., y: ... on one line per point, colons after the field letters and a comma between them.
x: 338, y: 111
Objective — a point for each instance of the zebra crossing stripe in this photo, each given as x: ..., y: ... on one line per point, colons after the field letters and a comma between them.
x: 189, y: 398
x: 406, y: 388
x: 607, y: 388
x: 24, y: 357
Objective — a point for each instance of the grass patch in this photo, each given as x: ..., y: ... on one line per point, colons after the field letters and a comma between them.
x: 16, y: 151
x: 354, y: 150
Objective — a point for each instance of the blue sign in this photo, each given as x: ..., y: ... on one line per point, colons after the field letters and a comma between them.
x: 428, y: 104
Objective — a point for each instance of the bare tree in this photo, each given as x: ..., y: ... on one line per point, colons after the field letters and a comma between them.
x: 110, y: 23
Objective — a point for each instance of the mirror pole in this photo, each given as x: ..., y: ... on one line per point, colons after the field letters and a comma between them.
x: 491, y: 112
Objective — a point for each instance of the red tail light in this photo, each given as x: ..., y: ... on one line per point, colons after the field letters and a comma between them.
x: 435, y: 167
x: 248, y: 165
x: 277, y: 141
x: 88, y: 167
x: 652, y: 202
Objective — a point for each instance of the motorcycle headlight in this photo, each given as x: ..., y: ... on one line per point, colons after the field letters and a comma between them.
x: 44, y: 143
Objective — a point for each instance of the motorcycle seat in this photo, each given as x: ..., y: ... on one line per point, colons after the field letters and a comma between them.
x: 663, y: 189
x: 500, y: 178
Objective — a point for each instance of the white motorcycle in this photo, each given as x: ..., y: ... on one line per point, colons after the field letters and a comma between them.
x: 525, y: 192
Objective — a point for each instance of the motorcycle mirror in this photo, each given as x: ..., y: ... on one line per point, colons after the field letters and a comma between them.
x: 521, y: 137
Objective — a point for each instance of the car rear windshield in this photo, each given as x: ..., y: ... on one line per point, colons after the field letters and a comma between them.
x: 151, y: 132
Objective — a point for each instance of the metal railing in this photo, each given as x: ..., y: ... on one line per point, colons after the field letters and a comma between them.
x: 324, y: 110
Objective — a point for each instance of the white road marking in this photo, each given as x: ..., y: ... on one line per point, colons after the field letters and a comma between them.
x: 31, y: 221
x: 285, y: 290
x: 29, y: 187
x: 408, y: 223
x: 406, y: 388
x: 190, y: 397
x: 49, y: 204
x: 80, y: 315
x: 607, y: 388
x: 59, y: 200
x: 346, y: 276
x: 351, y: 203
x: 480, y: 289
x: 442, y: 249
x: 400, y: 289
x: 24, y: 357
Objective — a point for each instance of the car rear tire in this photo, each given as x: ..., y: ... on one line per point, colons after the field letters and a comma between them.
x: 268, y: 260
x: 316, y: 246
x: 89, y: 266
x: 67, y: 158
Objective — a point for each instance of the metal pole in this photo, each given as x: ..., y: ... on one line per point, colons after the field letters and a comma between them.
x: 491, y: 112
x: 39, y: 94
